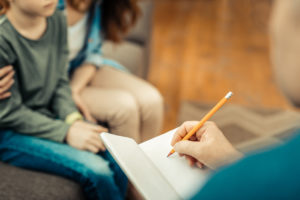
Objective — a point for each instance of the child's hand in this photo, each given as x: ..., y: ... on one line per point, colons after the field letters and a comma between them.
x: 208, y: 146
x: 85, y: 136
x: 6, y: 81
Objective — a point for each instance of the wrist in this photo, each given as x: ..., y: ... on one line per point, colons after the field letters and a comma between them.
x: 73, y: 117
x: 236, y: 155
x: 231, y: 156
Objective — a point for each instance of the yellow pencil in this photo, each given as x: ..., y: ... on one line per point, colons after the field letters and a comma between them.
x: 205, y: 118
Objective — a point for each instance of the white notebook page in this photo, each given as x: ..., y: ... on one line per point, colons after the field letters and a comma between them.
x: 184, y: 179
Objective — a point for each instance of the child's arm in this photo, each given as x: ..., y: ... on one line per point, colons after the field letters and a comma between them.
x: 62, y: 102
x: 18, y: 117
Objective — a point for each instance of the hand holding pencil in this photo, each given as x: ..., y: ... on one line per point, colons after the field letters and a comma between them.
x: 207, y: 147
x: 203, y: 143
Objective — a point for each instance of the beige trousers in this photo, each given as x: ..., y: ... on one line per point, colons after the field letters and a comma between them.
x: 131, y: 106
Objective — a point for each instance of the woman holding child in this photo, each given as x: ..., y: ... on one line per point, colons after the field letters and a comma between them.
x: 102, y: 89
x: 131, y: 106
x: 270, y: 174
x: 40, y: 126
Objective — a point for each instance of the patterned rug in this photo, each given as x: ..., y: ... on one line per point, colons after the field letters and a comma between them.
x: 246, y: 128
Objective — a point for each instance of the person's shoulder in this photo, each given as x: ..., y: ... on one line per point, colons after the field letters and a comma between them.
x: 5, y: 33
x: 6, y: 39
x: 59, y: 19
x: 58, y: 15
x: 3, y: 20
x: 3, y: 24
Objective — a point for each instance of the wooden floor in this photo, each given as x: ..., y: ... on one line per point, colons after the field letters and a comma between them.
x: 203, y: 48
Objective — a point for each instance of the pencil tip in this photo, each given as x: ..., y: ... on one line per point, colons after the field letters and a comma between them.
x: 169, y: 154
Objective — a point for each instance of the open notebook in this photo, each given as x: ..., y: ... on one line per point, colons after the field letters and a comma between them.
x: 153, y: 174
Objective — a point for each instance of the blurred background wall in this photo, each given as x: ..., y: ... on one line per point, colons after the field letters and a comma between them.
x: 201, y: 49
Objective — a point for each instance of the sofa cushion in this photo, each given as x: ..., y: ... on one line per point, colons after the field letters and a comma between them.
x: 129, y: 54
x: 141, y: 32
x: 17, y: 183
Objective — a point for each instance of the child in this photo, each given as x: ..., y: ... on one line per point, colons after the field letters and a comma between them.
x: 41, y: 115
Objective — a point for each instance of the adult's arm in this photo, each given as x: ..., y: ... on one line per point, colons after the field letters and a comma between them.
x: 6, y: 81
x: 82, y: 76
x: 80, y: 79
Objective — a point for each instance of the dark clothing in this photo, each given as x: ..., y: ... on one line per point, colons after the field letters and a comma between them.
x: 272, y: 174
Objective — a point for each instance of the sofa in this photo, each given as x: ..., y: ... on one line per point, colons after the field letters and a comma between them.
x: 17, y: 183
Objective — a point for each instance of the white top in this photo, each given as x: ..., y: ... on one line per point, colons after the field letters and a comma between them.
x: 76, y: 36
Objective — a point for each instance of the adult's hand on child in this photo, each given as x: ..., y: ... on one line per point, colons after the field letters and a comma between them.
x: 208, y: 146
x: 82, y: 107
x: 85, y: 136
x: 6, y: 81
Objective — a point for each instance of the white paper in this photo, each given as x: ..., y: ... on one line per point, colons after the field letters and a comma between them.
x: 184, y: 179
x: 142, y: 173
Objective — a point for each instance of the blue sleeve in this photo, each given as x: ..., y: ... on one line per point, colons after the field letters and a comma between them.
x: 95, y: 58
x: 61, y: 5
x: 272, y: 174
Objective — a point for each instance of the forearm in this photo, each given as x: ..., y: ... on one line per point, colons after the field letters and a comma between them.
x: 62, y: 103
x: 26, y: 121
x: 82, y: 76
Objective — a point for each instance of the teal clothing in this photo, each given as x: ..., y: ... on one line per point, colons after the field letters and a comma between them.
x: 41, y: 96
x: 271, y: 174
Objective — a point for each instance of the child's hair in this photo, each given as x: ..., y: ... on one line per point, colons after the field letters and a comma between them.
x: 4, y: 5
x: 117, y: 16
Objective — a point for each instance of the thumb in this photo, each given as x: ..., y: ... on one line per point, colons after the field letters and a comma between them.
x: 187, y: 147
